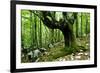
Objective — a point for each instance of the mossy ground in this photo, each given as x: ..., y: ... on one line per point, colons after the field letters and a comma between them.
x: 60, y: 53
x: 81, y: 52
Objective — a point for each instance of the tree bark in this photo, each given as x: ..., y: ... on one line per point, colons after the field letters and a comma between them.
x: 68, y: 37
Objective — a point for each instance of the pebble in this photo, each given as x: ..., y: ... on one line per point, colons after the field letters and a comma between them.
x: 86, y: 54
x: 80, y: 53
x: 77, y: 57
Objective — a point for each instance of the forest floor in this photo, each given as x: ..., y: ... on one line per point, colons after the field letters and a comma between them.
x: 58, y: 53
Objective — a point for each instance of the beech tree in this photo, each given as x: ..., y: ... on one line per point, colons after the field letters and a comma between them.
x: 64, y: 24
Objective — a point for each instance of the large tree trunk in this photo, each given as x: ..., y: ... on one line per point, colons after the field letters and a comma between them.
x: 69, y: 37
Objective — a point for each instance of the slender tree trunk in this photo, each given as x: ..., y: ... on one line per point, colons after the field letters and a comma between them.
x: 81, y: 25
x: 86, y: 24
x: 36, y: 44
x: 77, y: 26
x: 40, y: 34
x: 45, y: 37
x: 31, y: 28
x: 33, y: 31
x: 52, y: 35
x: 58, y: 35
